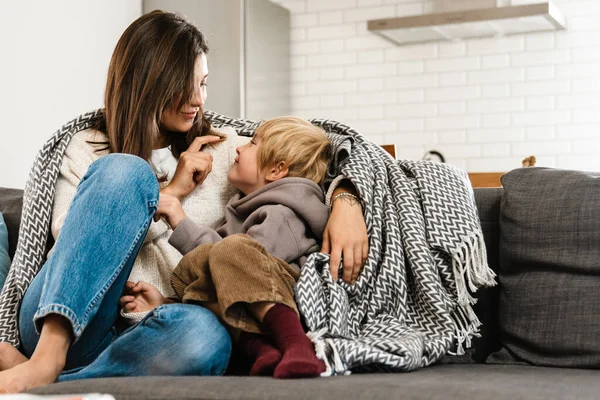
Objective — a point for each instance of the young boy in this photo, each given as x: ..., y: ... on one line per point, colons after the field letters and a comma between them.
x: 245, y: 270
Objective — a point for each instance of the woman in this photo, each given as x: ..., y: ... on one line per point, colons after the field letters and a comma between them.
x: 103, y: 210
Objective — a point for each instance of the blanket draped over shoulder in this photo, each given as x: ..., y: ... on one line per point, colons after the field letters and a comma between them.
x: 412, y: 303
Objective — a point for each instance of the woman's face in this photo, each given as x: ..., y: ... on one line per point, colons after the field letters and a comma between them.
x: 182, y: 120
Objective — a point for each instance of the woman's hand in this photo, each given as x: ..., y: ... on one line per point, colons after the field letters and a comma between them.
x: 192, y: 168
x: 170, y: 208
x: 345, y: 238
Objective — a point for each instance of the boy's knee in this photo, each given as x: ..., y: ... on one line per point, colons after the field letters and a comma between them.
x: 236, y: 246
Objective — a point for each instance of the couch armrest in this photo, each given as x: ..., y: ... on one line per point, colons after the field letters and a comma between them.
x: 11, y: 203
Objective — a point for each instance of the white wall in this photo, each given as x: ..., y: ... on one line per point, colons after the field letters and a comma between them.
x: 485, y: 103
x: 54, y: 60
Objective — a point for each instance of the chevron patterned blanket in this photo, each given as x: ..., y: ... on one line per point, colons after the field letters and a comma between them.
x: 412, y: 302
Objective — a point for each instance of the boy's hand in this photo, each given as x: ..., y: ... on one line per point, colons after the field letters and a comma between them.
x: 141, y: 296
x: 170, y: 208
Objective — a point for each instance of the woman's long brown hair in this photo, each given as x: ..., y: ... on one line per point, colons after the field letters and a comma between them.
x: 151, y: 68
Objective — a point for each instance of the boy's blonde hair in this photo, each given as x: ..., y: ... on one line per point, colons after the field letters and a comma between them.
x: 302, y: 146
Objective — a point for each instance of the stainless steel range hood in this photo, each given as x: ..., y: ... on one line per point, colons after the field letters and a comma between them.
x: 456, y: 25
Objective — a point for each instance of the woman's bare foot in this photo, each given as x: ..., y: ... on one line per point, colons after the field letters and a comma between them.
x: 10, y: 356
x: 28, y: 375
x: 47, y: 360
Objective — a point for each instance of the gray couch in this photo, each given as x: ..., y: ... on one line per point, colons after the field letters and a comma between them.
x: 539, y: 323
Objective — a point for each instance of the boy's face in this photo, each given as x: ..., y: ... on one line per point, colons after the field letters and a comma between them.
x: 245, y: 174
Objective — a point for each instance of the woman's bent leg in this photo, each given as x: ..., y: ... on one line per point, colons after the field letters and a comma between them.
x: 92, y: 258
x: 174, y: 340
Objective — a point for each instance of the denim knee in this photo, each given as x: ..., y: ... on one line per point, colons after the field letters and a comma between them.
x: 123, y: 174
x: 202, y: 344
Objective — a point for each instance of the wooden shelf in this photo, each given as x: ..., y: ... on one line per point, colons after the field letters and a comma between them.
x: 485, y: 179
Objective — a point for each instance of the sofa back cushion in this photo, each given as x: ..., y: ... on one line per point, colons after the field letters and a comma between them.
x: 488, y: 204
x: 4, y: 258
x: 486, y: 308
x: 549, y: 270
x: 11, y: 202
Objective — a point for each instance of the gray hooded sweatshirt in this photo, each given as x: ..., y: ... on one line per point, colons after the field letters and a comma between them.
x: 287, y: 217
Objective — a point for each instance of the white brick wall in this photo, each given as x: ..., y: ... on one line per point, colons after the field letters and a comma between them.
x: 484, y: 103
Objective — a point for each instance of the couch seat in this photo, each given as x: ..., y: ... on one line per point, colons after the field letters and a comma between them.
x: 461, y: 382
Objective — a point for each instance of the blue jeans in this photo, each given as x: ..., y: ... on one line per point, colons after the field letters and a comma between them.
x: 84, y: 277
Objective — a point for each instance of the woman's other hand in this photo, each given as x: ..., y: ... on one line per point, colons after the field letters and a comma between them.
x: 345, y: 238
x: 192, y: 168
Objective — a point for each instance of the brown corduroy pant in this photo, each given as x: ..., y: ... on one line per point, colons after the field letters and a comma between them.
x: 233, y: 273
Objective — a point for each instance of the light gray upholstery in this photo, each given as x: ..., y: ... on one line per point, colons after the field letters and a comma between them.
x: 447, y: 382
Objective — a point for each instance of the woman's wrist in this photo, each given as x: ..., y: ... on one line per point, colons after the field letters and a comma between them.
x: 345, y: 197
x: 345, y: 193
x: 345, y: 187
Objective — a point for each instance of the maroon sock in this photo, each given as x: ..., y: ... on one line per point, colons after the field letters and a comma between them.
x: 261, y: 352
x: 299, y: 359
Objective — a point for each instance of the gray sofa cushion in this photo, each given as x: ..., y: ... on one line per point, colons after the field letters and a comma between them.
x: 11, y: 202
x: 549, y: 306
x: 448, y: 382
x: 4, y: 257
x: 488, y: 205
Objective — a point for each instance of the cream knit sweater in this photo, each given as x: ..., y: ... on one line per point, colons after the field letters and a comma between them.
x: 205, y: 205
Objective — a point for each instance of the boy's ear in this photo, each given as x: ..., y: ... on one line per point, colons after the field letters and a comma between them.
x: 278, y: 171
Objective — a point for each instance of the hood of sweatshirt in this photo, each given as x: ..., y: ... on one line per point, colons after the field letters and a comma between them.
x: 301, y: 195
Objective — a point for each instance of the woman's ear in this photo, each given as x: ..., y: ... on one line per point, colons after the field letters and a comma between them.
x: 280, y: 170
